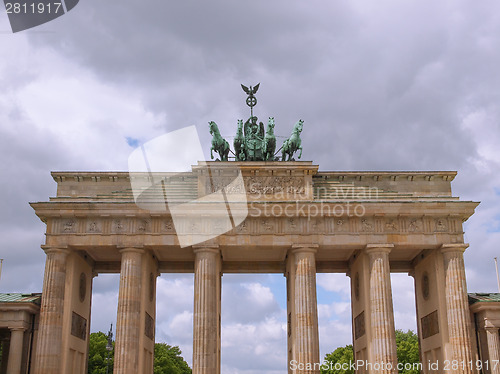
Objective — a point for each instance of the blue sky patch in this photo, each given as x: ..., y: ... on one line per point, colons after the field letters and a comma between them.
x: 134, y: 143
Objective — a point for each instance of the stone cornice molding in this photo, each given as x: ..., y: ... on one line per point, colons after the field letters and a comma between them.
x: 391, y: 175
x: 106, y: 176
x: 481, y: 306
x: 30, y: 308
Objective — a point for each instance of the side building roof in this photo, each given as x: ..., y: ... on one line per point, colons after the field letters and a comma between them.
x: 484, y: 297
x: 34, y: 298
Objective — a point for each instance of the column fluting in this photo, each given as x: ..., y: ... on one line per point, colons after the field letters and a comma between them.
x: 383, y: 335
x: 306, y: 310
x: 49, y: 346
x: 457, y: 307
x: 493, y: 349
x: 205, y: 316
x: 128, y: 322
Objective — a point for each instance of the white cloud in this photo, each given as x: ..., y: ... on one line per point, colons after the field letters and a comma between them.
x: 334, y: 282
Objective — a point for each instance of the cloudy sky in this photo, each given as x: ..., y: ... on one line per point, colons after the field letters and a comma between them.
x: 386, y: 85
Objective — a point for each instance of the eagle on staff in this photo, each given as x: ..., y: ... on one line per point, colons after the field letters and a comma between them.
x: 251, y: 91
x: 251, y: 99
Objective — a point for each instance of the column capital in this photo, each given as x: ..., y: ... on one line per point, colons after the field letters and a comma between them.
x: 301, y: 248
x: 48, y: 249
x: 18, y: 328
x: 378, y: 248
x: 492, y: 329
x: 123, y: 250
x: 454, y: 248
x: 208, y: 248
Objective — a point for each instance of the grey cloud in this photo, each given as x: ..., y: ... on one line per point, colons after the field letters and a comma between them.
x: 380, y: 86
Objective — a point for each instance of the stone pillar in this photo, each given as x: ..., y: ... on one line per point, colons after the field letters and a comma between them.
x: 383, y: 337
x: 49, y: 346
x: 207, y: 268
x: 457, y: 306
x: 306, y: 337
x: 15, y: 350
x: 128, y: 321
x: 493, y: 349
x: 5, y: 356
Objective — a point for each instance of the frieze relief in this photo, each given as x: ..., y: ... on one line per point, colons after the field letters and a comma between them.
x: 143, y: 226
x: 215, y: 184
x: 367, y: 225
x: 316, y: 225
x: 293, y: 225
x: 342, y: 225
x: 391, y: 225
x: 119, y: 226
x: 441, y: 225
x: 260, y: 225
x: 69, y: 226
x: 243, y: 228
x: 94, y: 226
x: 167, y: 225
x: 415, y: 225
x: 259, y: 185
x: 267, y: 226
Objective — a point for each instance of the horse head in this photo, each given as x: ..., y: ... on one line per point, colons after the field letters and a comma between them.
x: 213, y: 128
x: 270, y: 125
x: 298, y: 126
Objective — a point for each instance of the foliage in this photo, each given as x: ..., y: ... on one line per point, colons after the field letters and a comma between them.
x: 342, y: 355
x: 98, y: 354
x: 167, y: 359
x: 407, y: 352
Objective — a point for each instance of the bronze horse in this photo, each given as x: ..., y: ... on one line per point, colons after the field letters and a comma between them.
x: 219, y: 144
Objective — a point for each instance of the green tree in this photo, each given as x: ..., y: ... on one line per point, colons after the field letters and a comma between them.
x: 340, y: 358
x: 168, y: 360
x: 407, y: 352
x: 98, y: 354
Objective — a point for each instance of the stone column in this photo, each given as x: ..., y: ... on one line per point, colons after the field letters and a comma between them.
x: 49, y: 346
x: 128, y: 321
x: 206, y: 311
x: 15, y: 350
x: 457, y: 306
x: 306, y: 344
x: 5, y: 356
x: 383, y: 333
x: 493, y: 349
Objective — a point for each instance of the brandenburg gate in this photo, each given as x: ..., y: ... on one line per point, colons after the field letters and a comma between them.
x: 253, y: 215
x: 299, y: 222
